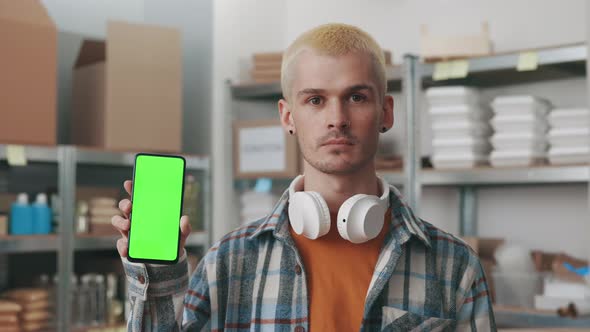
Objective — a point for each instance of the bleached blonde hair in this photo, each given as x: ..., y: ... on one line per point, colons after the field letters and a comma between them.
x: 334, y: 39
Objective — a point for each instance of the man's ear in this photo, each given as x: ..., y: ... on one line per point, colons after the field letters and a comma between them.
x: 387, y: 118
x: 286, y: 116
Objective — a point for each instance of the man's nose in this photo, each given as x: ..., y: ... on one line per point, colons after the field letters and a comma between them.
x: 338, y: 116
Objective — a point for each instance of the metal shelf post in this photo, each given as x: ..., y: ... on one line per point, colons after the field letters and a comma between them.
x: 66, y: 162
x: 411, y: 86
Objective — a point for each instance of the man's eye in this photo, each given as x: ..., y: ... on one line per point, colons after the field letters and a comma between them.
x: 357, y: 98
x: 315, y: 100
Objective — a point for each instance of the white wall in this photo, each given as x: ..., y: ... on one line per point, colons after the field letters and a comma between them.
x: 240, y: 28
x: 514, y: 24
x: 552, y: 217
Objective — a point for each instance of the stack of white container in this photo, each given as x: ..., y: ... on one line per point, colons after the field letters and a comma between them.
x: 569, y: 136
x: 520, y: 126
x: 460, y: 127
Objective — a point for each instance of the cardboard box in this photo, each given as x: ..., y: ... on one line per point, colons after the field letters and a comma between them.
x: 266, y: 57
x: 263, y: 149
x: 28, y: 73
x: 436, y: 48
x: 485, y: 249
x: 6, y: 200
x: 264, y: 76
x: 127, y: 91
x: 3, y: 225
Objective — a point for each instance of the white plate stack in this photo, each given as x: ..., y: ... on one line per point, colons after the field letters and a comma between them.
x: 569, y: 136
x: 460, y: 127
x: 520, y: 131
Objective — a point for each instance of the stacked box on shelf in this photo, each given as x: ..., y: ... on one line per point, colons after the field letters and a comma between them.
x: 267, y: 67
x: 520, y: 126
x: 460, y: 127
x: 35, y: 310
x: 569, y: 136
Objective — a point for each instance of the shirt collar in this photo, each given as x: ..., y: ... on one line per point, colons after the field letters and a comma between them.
x: 404, y: 223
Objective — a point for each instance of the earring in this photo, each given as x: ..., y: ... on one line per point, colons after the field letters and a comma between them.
x: 384, y: 129
x: 290, y: 131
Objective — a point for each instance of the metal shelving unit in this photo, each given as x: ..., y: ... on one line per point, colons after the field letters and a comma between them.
x: 35, y: 153
x: 21, y: 244
x: 523, y: 319
x: 68, y: 158
x: 553, y: 63
x: 488, y: 176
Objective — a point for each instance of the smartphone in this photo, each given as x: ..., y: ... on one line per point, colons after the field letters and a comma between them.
x: 156, y: 197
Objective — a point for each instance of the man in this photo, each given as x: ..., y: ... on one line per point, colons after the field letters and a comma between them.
x: 325, y: 258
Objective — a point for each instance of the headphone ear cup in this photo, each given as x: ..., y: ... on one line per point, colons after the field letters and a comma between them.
x: 309, y: 214
x: 360, y: 218
x: 345, y: 219
x: 324, y: 214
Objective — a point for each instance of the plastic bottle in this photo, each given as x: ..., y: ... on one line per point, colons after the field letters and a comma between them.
x: 41, y: 215
x: 21, y: 216
x: 101, y: 300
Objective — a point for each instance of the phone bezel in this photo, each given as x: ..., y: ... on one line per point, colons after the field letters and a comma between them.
x: 147, y: 260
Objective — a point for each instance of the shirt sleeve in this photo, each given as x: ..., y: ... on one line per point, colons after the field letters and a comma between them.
x: 474, y: 305
x: 156, y: 293
x: 197, y: 302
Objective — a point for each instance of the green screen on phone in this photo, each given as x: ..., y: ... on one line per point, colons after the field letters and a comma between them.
x: 158, y: 183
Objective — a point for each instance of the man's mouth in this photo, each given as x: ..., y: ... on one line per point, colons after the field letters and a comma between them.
x: 339, y: 141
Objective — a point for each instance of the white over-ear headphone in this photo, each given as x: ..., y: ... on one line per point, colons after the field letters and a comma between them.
x: 360, y: 217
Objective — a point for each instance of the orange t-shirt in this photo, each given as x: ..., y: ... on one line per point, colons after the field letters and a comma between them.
x: 338, y: 275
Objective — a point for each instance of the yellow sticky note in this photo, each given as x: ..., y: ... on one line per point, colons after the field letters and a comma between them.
x: 527, y: 61
x: 442, y: 71
x: 15, y: 155
x: 459, y: 69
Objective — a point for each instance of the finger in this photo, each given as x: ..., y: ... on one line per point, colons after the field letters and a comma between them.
x: 128, y: 185
x: 185, y: 230
x: 125, y: 207
x: 122, y: 247
x: 185, y: 226
x: 121, y: 224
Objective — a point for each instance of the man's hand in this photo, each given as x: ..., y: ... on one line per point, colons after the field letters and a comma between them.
x: 122, y: 224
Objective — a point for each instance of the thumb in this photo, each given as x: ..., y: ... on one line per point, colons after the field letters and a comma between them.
x: 185, y: 230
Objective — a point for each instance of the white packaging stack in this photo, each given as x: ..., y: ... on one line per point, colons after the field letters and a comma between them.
x: 559, y: 293
x: 520, y: 131
x: 460, y: 127
x: 569, y: 136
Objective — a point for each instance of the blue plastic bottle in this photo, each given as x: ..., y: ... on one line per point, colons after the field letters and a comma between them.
x: 41, y: 215
x: 21, y: 216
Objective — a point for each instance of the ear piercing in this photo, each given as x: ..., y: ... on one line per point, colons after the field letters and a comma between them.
x: 290, y: 131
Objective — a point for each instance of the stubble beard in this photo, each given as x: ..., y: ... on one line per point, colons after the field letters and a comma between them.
x: 339, y: 166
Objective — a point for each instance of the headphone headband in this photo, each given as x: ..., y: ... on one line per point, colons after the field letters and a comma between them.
x: 297, y: 184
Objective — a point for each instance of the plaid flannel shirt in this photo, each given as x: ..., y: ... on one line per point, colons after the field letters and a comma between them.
x: 253, y: 279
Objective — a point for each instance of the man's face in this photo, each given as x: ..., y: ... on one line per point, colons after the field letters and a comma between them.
x: 337, y: 111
